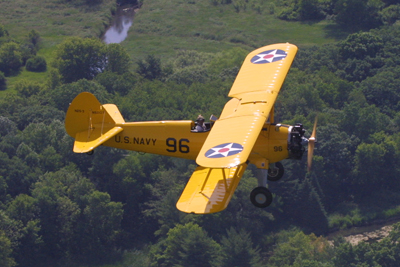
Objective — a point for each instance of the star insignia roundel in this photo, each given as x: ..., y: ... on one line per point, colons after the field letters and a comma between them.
x: 224, y: 150
x: 269, y: 56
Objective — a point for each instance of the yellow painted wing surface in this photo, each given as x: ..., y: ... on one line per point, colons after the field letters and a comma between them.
x: 254, y: 92
x: 210, y: 190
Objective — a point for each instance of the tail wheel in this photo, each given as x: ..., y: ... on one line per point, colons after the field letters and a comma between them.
x: 261, y: 197
x: 276, y: 173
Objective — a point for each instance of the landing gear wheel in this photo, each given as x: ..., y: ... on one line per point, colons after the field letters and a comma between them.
x: 276, y: 173
x: 90, y: 153
x: 261, y: 197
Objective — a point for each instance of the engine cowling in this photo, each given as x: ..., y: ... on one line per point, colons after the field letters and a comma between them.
x: 297, y: 143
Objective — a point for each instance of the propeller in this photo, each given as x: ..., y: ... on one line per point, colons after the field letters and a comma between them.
x: 311, y: 143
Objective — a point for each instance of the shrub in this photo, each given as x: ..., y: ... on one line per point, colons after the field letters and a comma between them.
x: 2, y: 31
x: 10, y: 58
x: 26, y: 89
x: 34, y: 37
x: 36, y: 64
x: 3, y: 85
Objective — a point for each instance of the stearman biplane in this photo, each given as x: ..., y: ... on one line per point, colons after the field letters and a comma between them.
x: 244, y: 133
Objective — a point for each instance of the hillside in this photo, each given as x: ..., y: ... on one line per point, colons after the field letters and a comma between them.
x: 163, y: 27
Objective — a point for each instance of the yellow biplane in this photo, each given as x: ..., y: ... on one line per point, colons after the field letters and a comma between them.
x: 244, y: 133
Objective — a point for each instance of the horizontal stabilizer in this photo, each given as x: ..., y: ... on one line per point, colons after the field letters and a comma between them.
x: 210, y: 190
x: 88, y: 140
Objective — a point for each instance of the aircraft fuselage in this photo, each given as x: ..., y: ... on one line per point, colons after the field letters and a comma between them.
x: 175, y: 139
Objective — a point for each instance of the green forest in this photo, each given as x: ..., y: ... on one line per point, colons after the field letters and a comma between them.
x: 117, y: 208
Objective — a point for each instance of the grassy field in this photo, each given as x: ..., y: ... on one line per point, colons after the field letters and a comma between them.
x: 54, y: 20
x: 162, y: 27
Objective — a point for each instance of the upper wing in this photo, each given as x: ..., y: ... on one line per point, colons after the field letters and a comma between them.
x: 254, y: 92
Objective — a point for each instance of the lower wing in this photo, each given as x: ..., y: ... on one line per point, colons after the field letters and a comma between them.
x: 209, y: 190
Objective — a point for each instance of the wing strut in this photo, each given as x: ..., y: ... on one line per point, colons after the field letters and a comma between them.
x: 226, y: 184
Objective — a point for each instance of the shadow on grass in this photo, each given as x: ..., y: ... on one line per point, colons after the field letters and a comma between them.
x: 331, y: 29
x: 336, y: 32
x: 340, y: 32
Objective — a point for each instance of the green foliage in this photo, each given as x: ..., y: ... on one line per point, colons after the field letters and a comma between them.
x: 39, y: 136
x: 36, y: 63
x: 34, y: 37
x: 227, y: 60
x: 70, y: 210
x: 191, y: 67
x: 27, y: 89
x: 358, y: 14
x: 306, y: 206
x: 373, y: 162
x: 3, y: 31
x: 237, y: 249
x: 62, y: 95
x: 381, y: 90
x: 118, y: 84
x: 93, y: 2
x: 150, y: 68
x: 363, y: 120
x: 288, y: 10
x: 187, y: 245
x: 10, y: 58
x: 29, y: 252
x: 360, y: 45
x: 6, y: 126
x: 310, y: 10
x: 3, y: 82
x: 23, y: 208
x: 383, y: 253
x: 132, y: 185
x: 78, y: 58
x: 294, y: 248
x: 99, y: 207
x: 390, y: 14
x: 302, y: 10
x: 117, y: 59
x: 24, y: 111
x: 5, y: 247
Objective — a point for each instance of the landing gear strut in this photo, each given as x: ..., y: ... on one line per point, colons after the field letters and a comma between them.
x: 261, y: 197
x: 275, y: 172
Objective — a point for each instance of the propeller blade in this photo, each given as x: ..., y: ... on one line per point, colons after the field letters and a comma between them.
x: 311, y: 144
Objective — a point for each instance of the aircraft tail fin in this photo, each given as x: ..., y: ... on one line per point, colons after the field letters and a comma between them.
x: 90, y: 123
